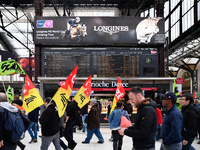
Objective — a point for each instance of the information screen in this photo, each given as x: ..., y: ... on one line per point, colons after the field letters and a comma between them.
x: 99, y: 63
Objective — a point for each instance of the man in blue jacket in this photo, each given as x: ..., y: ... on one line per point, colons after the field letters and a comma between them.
x: 172, y: 124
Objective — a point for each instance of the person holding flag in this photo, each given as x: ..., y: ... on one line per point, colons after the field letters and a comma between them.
x: 50, y: 125
x: 144, y: 130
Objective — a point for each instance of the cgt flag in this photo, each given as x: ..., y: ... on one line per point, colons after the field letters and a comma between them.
x: 118, y: 94
x: 175, y: 90
x: 31, y: 97
x: 63, y: 93
x: 10, y: 67
x: 82, y: 97
x: 10, y: 94
x: 194, y: 95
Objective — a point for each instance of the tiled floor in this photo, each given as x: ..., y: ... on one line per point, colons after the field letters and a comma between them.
x: 79, y: 137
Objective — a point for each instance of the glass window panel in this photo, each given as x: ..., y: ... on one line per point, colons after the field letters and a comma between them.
x: 166, y: 25
x: 175, y: 31
x: 166, y: 8
x: 188, y: 20
x: 152, y: 12
x: 198, y: 8
x: 175, y: 16
x: 187, y: 4
x: 174, y: 3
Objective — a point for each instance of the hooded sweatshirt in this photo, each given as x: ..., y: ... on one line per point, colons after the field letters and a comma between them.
x: 9, y: 107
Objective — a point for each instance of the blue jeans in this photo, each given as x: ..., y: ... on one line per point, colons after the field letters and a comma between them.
x: 84, y: 123
x: 46, y: 141
x: 33, y: 125
x: 90, y: 133
x: 187, y: 147
x: 175, y: 146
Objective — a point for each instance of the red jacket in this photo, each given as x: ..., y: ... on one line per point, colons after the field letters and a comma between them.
x: 159, y: 116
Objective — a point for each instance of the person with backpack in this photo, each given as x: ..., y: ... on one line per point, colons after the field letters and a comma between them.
x: 6, y: 142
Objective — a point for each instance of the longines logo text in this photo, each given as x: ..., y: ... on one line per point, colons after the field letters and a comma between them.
x: 111, y: 29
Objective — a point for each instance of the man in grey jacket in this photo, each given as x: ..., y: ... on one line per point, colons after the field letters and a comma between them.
x: 4, y: 144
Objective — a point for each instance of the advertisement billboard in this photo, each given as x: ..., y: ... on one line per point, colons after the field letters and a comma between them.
x: 99, y: 30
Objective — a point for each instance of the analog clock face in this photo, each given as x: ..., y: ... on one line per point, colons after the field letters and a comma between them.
x: 148, y: 60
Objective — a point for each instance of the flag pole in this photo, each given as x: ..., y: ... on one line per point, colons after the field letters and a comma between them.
x: 4, y: 88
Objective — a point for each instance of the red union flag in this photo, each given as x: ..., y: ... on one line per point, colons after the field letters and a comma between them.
x: 118, y: 94
x: 63, y: 93
x: 31, y: 97
x: 82, y: 97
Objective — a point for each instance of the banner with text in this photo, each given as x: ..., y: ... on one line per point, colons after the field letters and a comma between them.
x: 99, y: 30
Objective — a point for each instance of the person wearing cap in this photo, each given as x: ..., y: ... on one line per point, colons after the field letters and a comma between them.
x: 172, y: 124
x: 144, y: 130
x: 190, y: 115
x: 50, y: 125
x: 93, y: 123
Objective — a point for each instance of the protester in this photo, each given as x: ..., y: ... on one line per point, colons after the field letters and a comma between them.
x: 84, y: 113
x: 93, y: 123
x: 50, y: 125
x: 172, y: 124
x: 127, y: 106
x: 4, y: 143
x: 144, y: 130
x: 197, y: 105
x: 71, y: 120
x: 115, y: 119
x: 159, y: 123
x: 190, y: 115
x: 110, y: 102
x: 62, y: 131
x: 18, y: 103
x: 33, y: 117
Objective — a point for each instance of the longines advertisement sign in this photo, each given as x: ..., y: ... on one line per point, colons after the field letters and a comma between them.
x: 99, y: 30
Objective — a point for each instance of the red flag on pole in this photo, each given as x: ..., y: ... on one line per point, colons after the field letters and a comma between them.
x: 118, y: 94
x: 63, y: 93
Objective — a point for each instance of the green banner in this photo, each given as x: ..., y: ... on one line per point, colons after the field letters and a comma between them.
x: 10, y: 67
x: 10, y: 94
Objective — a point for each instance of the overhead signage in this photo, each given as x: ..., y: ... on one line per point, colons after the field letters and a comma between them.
x: 99, y: 30
x: 180, y: 80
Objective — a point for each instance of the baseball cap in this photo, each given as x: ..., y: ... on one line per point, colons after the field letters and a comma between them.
x: 169, y: 95
x: 93, y: 100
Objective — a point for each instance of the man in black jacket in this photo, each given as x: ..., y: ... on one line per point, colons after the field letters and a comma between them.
x: 72, y: 117
x: 144, y: 130
x: 190, y: 114
x: 50, y: 125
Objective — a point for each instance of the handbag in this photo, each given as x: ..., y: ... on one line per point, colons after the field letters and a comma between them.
x: 125, y: 123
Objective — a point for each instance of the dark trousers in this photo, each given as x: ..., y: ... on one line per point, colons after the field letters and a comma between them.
x: 8, y: 146
x: 117, y: 140
x: 187, y: 147
x: 69, y: 133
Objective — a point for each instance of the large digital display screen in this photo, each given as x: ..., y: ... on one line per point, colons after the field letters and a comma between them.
x: 99, y: 30
x: 98, y: 62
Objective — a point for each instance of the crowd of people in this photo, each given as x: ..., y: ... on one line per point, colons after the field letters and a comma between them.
x: 177, y: 128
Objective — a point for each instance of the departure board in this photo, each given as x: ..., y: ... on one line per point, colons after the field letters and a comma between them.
x: 99, y: 63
